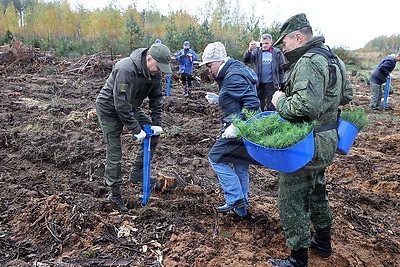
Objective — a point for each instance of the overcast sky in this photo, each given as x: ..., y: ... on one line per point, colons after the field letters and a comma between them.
x: 347, y: 23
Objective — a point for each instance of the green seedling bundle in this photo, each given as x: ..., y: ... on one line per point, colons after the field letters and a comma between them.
x: 356, y: 116
x: 271, y: 131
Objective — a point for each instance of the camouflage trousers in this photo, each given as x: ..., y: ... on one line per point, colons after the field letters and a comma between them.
x: 376, y: 96
x: 112, y: 130
x: 302, y: 199
x: 302, y: 196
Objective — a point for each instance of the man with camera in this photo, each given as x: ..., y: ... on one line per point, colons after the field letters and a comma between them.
x: 268, y: 65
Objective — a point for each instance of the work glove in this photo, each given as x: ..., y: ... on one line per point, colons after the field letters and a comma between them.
x: 157, y: 130
x: 230, y: 132
x: 212, y: 98
x: 140, y: 136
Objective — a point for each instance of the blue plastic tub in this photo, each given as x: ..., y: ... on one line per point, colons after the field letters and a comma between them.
x: 347, y: 132
x: 285, y: 160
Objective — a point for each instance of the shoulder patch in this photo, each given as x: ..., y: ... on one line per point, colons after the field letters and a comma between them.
x: 122, y: 87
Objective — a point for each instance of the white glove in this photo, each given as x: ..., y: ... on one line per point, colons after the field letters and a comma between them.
x: 140, y: 136
x: 390, y: 75
x: 157, y: 130
x: 230, y: 132
x: 212, y: 98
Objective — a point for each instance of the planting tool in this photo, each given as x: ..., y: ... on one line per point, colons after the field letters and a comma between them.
x: 146, y: 164
x: 386, y: 95
x: 168, y: 84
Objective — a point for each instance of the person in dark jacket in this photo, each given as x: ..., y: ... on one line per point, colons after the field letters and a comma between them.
x: 378, y: 77
x: 268, y: 65
x: 228, y: 156
x: 185, y: 57
x: 132, y: 80
x: 313, y: 92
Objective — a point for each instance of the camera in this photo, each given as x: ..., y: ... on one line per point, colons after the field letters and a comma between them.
x: 258, y: 44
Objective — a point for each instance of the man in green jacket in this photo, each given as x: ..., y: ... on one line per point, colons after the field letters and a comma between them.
x: 314, y: 87
x: 132, y: 80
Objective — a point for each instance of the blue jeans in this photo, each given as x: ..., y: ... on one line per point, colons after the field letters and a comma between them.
x: 234, y: 179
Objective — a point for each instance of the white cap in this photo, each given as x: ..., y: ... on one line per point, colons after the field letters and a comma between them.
x: 214, y: 52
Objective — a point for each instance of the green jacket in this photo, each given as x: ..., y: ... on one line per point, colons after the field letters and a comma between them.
x: 308, y: 96
x: 128, y: 85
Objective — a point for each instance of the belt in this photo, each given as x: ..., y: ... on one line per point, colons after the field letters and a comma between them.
x: 326, y: 127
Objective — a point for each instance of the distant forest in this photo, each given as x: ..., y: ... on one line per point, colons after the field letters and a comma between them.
x: 55, y: 27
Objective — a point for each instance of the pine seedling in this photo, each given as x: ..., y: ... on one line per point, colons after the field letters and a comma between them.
x: 272, y: 132
x: 356, y: 116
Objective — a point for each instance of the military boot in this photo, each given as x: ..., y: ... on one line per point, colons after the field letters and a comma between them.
x: 136, y: 176
x: 115, y: 196
x: 321, y: 242
x: 297, y: 258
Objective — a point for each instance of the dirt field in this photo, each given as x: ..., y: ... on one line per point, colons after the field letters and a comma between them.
x: 53, y: 208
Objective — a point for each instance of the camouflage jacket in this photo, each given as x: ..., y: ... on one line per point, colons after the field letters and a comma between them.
x: 308, y: 94
x: 128, y: 85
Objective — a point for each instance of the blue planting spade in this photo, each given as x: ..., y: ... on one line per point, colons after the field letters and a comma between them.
x: 146, y: 164
x: 386, y: 95
x: 168, y: 85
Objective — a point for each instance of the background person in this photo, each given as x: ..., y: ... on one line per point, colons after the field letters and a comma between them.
x: 378, y: 77
x: 185, y: 57
x: 132, y: 80
x: 312, y: 93
x: 228, y: 156
x: 268, y: 65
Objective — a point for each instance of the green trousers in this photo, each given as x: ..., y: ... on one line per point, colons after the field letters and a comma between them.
x: 112, y: 130
x: 376, y: 96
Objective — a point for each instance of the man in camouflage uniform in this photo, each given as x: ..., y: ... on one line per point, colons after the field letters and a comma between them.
x: 314, y: 89
x: 132, y: 80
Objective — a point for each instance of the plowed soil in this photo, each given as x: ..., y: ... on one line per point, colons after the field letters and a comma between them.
x: 53, y: 207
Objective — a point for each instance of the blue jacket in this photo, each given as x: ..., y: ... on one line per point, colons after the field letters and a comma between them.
x: 237, y: 89
x: 185, y: 62
x: 237, y: 85
x: 278, y: 60
x: 384, y: 68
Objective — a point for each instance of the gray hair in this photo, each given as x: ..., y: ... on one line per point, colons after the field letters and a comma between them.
x: 266, y: 36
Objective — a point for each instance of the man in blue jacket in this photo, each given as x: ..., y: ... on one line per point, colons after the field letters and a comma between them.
x: 228, y: 156
x: 185, y: 57
x: 378, y: 77
x: 268, y: 64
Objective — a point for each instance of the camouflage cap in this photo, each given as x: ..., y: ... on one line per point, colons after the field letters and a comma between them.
x: 162, y: 55
x: 292, y: 24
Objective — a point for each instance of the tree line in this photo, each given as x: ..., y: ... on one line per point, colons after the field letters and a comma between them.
x: 54, y: 26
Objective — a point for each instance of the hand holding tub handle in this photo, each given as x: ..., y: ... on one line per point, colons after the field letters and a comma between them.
x: 230, y: 132
x: 212, y: 98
